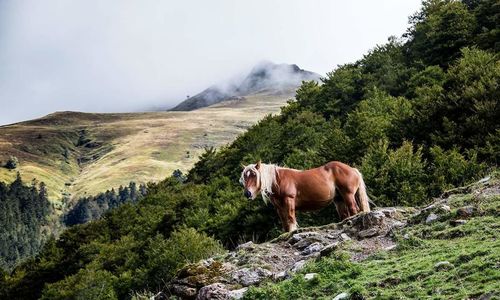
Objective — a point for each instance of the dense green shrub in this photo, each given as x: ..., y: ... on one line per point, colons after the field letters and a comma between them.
x: 165, y: 256
x: 470, y: 108
x: 450, y: 168
x: 378, y: 117
x: 86, y: 284
x: 395, y: 177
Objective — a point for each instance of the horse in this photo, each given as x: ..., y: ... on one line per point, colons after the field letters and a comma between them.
x: 291, y: 189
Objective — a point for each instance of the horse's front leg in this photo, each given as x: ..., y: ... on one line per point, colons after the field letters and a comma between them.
x: 290, y: 220
x: 281, y: 215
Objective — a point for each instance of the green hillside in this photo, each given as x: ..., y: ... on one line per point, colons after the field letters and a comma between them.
x: 81, y: 154
x: 417, y: 115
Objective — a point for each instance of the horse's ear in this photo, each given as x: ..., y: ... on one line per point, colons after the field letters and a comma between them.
x: 243, y: 165
x: 257, y: 166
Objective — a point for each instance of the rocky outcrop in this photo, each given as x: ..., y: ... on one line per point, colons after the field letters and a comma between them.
x: 229, y: 276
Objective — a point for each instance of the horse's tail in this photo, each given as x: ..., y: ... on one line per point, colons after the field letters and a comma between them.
x: 361, y: 195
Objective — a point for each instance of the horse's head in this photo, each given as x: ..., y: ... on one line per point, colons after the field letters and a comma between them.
x: 250, y: 179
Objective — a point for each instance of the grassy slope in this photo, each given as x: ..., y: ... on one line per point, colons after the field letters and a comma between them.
x: 134, y: 146
x: 409, y: 271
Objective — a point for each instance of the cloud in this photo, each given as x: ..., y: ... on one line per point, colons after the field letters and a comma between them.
x: 124, y: 55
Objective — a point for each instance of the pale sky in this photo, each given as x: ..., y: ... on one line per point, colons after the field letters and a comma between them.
x: 131, y: 55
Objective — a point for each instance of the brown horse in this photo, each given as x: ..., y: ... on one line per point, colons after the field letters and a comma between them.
x: 290, y: 189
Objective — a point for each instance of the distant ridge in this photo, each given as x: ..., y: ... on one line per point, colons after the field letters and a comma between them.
x: 265, y: 77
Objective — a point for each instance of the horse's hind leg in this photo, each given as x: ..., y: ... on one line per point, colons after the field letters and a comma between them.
x: 350, y: 202
x: 342, y: 210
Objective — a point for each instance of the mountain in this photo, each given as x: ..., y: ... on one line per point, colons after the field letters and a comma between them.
x: 266, y: 77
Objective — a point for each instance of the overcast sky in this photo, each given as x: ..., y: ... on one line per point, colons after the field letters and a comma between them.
x: 119, y: 56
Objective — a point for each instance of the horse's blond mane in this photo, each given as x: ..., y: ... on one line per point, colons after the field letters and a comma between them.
x: 268, y: 175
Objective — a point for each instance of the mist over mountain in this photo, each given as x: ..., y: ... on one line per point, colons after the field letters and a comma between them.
x: 265, y: 77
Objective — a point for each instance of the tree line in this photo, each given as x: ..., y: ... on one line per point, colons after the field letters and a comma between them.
x: 91, y: 208
x: 24, y: 213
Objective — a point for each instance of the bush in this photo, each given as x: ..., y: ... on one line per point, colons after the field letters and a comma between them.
x: 450, y: 168
x: 395, y: 177
x: 12, y: 163
x: 86, y: 284
x: 186, y: 245
x: 378, y: 117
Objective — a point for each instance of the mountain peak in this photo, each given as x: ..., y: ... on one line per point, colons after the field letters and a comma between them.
x: 266, y: 77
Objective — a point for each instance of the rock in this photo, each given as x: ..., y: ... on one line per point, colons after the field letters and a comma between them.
x: 295, y: 238
x: 391, y: 247
x: 431, y: 218
x: 246, y: 245
x: 368, y: 233
x: 485, y: 179
x: 184, y: 291
x: 301, y: 236
x: 429, y: 207
x: 247, y: 276
x: 159, y: 296
x: 206, y: 263
x: 443, y: 265
x: 466, y: 211
x: 458, y: 222
x: 486, y: 296
x: 306, y: 242
x: 314, y: 247
x: 371, y: 219
x: 345, y: 237
x: 398, y: 224
x: 341, y: 296
x: 445, y: 208
x: 327, y: 250
x: 237, y: 294
x: 297, y: 266
x: 389, y: 212
x: 281, y: 276
x: 213, y: 291
x: 310, y: 276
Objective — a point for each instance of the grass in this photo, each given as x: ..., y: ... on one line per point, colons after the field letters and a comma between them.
x: 126, y: 147
x: 409, y: 271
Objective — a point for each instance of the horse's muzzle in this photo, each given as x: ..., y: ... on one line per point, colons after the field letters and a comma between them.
x: 247, y: 194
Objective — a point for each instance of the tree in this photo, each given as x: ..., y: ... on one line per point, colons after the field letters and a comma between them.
x: 469, y: 109
x: 177, y: 174
x: 11, y: 163
x: 439, y: 31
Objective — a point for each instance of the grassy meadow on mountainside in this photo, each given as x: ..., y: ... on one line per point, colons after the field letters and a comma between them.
x: 432, y: 260
x: 79, y: 154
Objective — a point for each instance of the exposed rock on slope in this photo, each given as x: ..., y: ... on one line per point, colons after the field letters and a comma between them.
x: 265, y: 77
x: 229, y: 276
